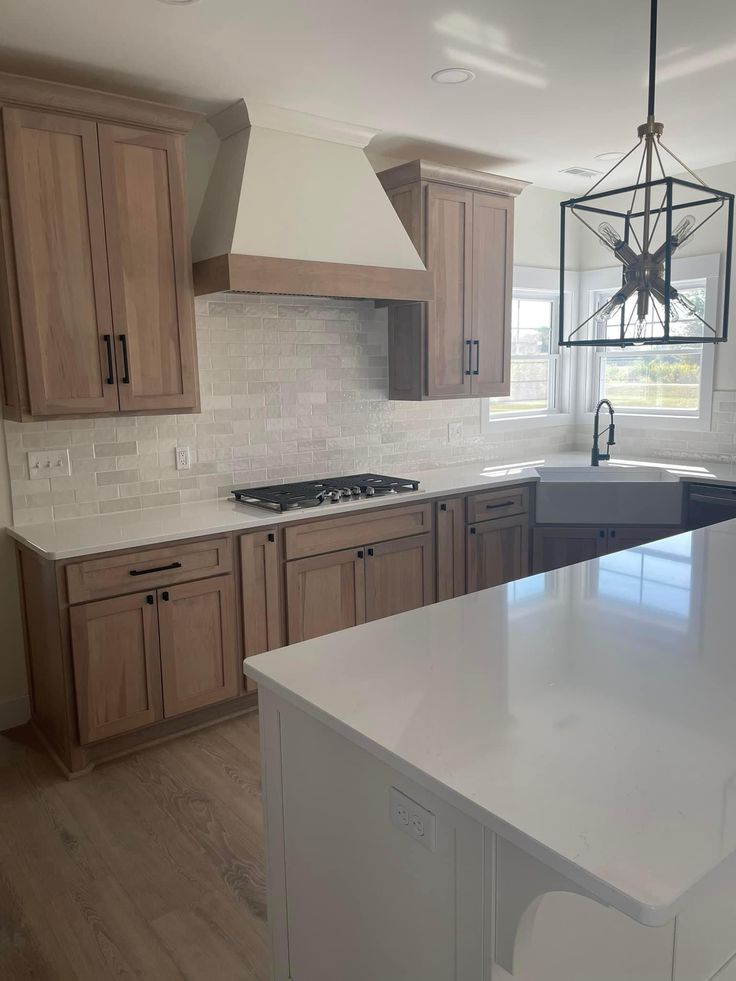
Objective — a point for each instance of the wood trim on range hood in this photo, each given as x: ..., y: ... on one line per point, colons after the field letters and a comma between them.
x: 302, y: 277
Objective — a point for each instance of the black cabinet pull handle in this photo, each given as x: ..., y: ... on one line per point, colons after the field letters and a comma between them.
x: 472, y: 531
x: 149, y: 600
x: 476, y: 371
x: 602, y: 533
x: 158, y: 568
x: 503, y: 504
x: 370, y: 551
x: 613, y: 532
x: 126, y: 367
x: 360, y: 553
x: 443, y: 507
x: 165, y: 596
x: 110, y: 380
x: 469, y: 369
x: 271, y: 537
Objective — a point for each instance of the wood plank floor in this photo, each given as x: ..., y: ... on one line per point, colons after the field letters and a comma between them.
x: 150, y: 867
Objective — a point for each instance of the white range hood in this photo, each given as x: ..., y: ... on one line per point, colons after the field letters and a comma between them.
x: 294, y: 206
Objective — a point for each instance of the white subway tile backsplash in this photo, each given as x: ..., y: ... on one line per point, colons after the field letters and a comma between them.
x: 290, y: 389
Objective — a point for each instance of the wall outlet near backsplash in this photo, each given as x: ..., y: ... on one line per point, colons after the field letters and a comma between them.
x: 48, y: 463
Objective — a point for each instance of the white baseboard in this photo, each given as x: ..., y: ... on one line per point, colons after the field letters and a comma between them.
x: 14, y: 712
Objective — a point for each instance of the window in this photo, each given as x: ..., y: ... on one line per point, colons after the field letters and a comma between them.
x: 665, y: 381
x: 534, y: 357
x: 656, y: 384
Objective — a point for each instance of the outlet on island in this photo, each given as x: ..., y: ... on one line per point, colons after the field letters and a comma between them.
x: 411, y: 818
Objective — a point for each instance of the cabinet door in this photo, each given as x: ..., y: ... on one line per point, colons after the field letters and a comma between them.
x: 628, y: 537
x: 325, y: 593
x: 260, y: 564
x: 450, y: 531
x: 493, y: 221
x: 59, y: 237
x: 449, y: 330
x: 558, y: 547
x: 150, y: 268
x: 198, y: 651
x: 498, y: 552
x: 116, y: 665
x: 399, y: 576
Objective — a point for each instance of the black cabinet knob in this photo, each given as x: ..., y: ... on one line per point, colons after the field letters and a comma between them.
x: 271, y: 537
x: 149, y: 600
x: 165, y: 596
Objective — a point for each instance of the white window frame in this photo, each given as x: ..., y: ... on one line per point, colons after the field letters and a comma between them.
x: 706, y: 267
x: 533, y: 283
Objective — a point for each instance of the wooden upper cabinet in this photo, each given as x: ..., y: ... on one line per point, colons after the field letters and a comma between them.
x: 449, y: 255
x: 493, y: 221
x: 459, y: 344
x: 150, y: 268
x: 198, y: 651
x: 116, y: 665
x: 96, y: 296
x: 58, y: 233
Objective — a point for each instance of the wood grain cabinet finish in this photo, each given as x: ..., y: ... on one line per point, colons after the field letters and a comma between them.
x: 117, y: 671
x: 96, y: 296
x: 325, y: 593
x: 554, y: 548
x: 461, y: 222
x: 354, y: 530
x: 450, y: 547
x: 150, y: 268
x: 262, y: 605
x: 198, y: 650
x: 497, y: 552
x: 502, y: 502
x: 399, y: 576
x: 629, y: 536
x: 58, y: 235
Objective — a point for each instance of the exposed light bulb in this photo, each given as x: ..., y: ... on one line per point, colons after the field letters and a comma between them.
x: 609, y: 234
x: 614, y: 304
x: 683, y: 230
x: 685, y: 302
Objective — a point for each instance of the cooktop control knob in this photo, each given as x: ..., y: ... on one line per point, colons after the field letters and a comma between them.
x: 357, y: 491
x: 336, y: 495
x: 370, y: 491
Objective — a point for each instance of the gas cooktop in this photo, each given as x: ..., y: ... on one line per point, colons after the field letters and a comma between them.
x: 330, y: 490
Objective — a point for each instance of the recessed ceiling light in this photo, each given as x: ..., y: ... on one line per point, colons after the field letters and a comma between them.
x: 452, y: 76
x: 610, y: 155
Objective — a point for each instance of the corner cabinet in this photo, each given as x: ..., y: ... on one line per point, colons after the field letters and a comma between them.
x: 96, y: 296
x: 461, y: 223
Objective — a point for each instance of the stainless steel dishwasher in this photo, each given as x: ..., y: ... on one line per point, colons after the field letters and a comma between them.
x: 707, y: 504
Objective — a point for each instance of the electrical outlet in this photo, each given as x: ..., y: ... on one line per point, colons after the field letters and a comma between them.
x: 48, y: 463
x: 454, y: 432
x: 413, y: 819
x: 182, y: 458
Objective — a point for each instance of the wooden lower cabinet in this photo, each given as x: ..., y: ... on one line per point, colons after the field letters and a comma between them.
x: 117, y: 673
x: 262, y: 603
x: 630, y: 536
x: 497, y: 552
x: 554, y: 548
x: 450, y: 548
x: 325, y: 593
x: 399, y: 576
x: 198, y: 652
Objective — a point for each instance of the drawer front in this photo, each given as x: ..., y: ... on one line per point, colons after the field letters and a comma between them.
x: 130, y: 572
x: 354, y: 530
x: 501, y: 503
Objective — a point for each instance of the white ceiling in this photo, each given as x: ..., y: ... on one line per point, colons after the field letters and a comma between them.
x: 558, y: 81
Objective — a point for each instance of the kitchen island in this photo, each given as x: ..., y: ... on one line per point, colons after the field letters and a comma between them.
x: 536, y: 780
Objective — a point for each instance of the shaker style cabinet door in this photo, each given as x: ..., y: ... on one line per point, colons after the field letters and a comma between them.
x: 498, y: 552
x: 260, y: 565
x: 449, y: 257
x: 198, y: 650
x: 492, y: 281
x: 557, y: 547
x: 116, y: 665
x: 450, y: 532
x: 150, y: 268
x: 325, y: 593
x: 58, y: 231
x: 399, y: 576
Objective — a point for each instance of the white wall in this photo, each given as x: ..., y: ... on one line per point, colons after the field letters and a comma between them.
x: 537, y: 230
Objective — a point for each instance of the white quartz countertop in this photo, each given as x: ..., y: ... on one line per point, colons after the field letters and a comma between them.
x: 588, y: 714
x: 75, y: 537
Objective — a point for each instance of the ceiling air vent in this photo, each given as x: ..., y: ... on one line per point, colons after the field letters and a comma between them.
x: 581, y: 172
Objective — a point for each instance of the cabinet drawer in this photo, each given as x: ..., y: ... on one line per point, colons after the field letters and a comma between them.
x: 501, y: 503
x: 331, y: 535
x: 132, y: 571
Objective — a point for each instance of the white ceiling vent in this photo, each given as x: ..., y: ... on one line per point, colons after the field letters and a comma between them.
x: 581, y: 172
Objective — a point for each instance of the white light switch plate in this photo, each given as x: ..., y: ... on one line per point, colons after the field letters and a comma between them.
x: 413, y: 819
x: 48, y: 463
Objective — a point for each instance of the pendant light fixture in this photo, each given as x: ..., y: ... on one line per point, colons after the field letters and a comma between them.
x: 643, y: 226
